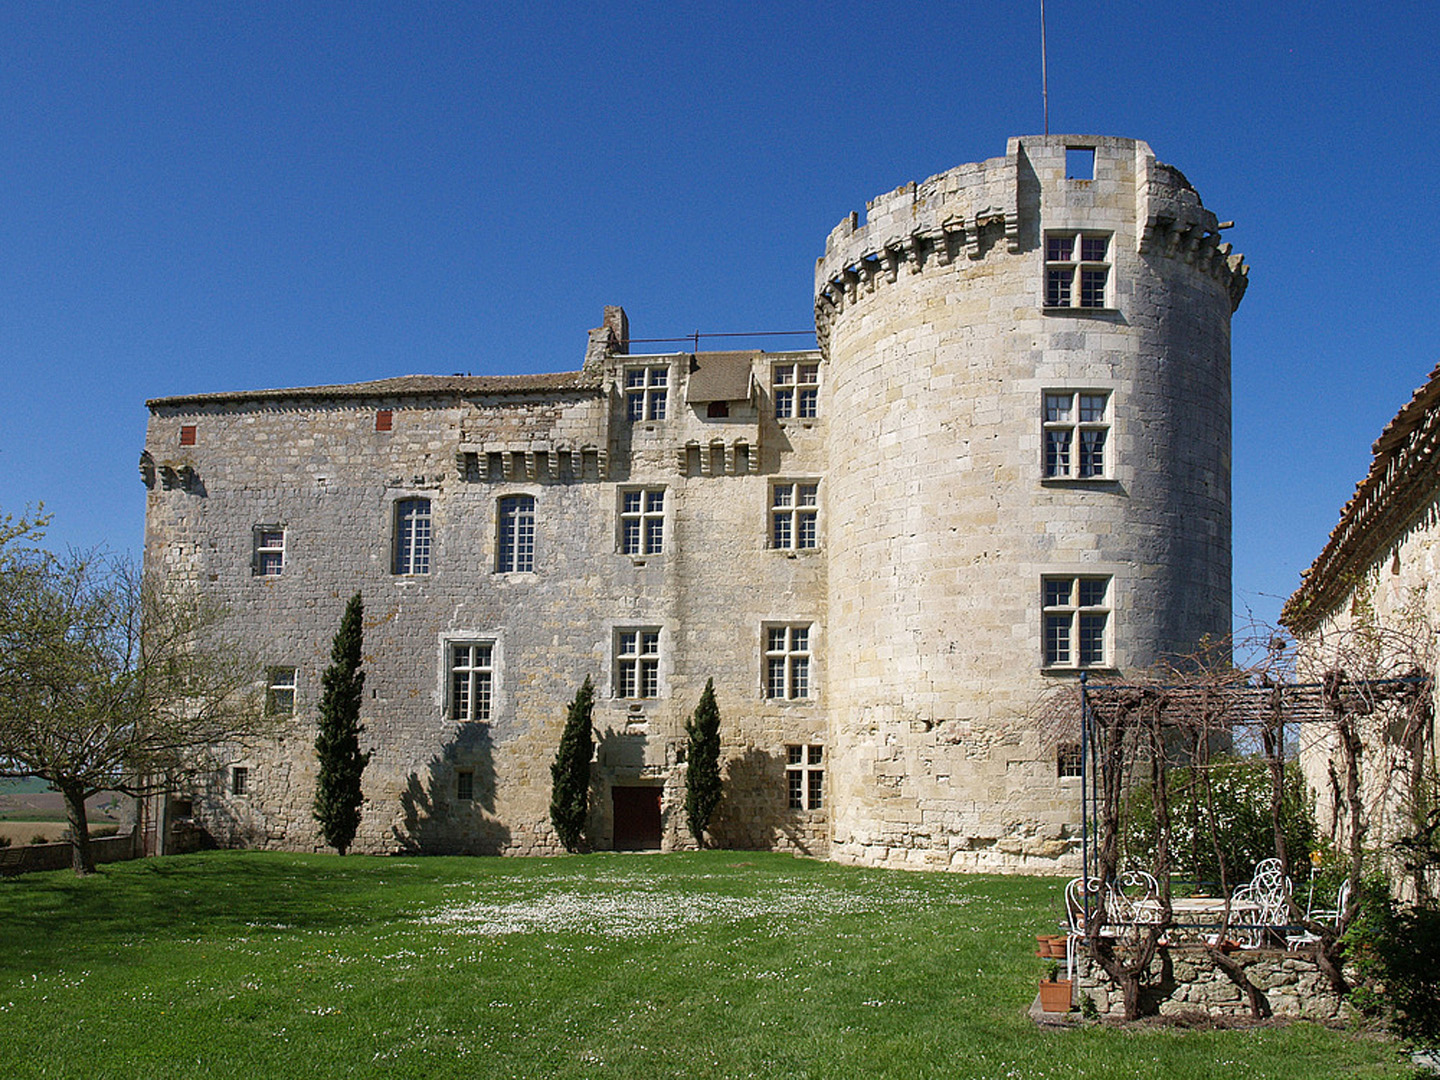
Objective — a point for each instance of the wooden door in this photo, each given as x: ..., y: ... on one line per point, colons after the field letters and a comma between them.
x: 637, y: 818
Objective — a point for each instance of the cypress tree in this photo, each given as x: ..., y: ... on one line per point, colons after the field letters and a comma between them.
x: 337, y: 791
x: 702, y: 769
x: 570, y: 775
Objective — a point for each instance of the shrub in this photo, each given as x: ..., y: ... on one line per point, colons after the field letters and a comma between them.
x: 702, y: 764
x: 570, y: 773
x: 337, y: 789
x: 1393, y: 947
x: 1240, y: 795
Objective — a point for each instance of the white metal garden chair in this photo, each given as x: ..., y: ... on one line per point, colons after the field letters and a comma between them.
x: 1332, y: 916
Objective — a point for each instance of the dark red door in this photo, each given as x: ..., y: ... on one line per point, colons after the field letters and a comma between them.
x: 637, y: 818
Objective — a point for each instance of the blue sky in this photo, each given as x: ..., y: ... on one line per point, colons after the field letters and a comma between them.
x: 200, y: 197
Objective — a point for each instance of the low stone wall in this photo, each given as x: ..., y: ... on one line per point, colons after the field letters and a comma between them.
x: 104, y: 849
x: 1185, y: 979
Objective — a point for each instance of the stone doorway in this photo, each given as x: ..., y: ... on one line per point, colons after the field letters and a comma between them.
x: 637, y: 818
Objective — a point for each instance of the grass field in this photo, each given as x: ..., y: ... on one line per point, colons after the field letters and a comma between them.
x: 716, y: 964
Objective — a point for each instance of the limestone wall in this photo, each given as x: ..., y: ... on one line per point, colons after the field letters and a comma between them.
x: 941, y: 350
x: 317, y: 467
x: 1383, y: 626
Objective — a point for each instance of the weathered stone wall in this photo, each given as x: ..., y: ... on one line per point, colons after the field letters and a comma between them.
x: 923, y: 596
x: 1186, y: 980
x: 318, y: 468
x: 941, y: 349
x: 1383, y: 626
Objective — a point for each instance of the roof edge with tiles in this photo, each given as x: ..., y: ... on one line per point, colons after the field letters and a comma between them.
x: 402, y: 386
x: 1401, y: 481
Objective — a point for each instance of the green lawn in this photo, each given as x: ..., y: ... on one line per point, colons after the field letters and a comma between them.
x: 718, y: 964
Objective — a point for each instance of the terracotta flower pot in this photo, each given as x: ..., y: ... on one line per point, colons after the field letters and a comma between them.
x: 1055, y: 996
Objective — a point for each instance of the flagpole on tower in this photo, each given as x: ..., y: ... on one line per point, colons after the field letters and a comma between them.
x: 1044, y: 73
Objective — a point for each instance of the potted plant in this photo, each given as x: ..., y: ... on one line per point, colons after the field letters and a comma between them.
x: 1055, y: 992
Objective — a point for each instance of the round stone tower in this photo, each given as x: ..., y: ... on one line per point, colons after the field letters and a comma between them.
x: 1030, y: 361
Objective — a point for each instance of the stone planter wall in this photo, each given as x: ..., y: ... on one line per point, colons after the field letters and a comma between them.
x: 1184, y: 979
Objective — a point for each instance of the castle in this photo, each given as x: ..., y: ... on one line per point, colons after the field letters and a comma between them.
x: 1006, y: 464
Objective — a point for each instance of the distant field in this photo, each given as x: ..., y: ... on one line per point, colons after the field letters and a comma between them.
x: 709, y: 965
x: 30, y: 801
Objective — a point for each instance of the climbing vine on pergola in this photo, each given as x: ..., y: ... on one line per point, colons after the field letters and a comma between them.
x: 1132, y: 735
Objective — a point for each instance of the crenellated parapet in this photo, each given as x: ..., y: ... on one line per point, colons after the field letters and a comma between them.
x: 1003, y: 206
x: 959, y: 214
x: 1173, y: 223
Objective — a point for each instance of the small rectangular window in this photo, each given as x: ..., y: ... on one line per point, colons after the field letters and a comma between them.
x: 472, y: 673
x: 805, y: 776
x: 239, y: 780
x: 515, y: 550
x: 1068, y: 761
x: 796, y: 391
x: 1077, y: 270
x: 787, y: 662
x: 637, y: 663
x: 1076, y: 434
x: 642, y: 522
x: 465, y: 785
x: 647, y: 392
x: 280, y: 691
x: 384, y: 418
x: 269, y: 551
x: 1076, y: 621
x: 794, y: 515
x: 187, y: 434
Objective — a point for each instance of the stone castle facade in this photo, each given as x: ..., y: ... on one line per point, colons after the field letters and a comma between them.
x: 1007, y: 463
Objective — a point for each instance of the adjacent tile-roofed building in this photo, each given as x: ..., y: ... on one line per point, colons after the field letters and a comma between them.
x: 1367, y: 608
x: 1402, y: 484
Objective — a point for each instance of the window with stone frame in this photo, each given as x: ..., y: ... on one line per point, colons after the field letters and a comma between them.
x: 1068, y: 760
x: 1076, y: 621
x: 796, y: 390
x: 805, y: 776
x: 1077, y: 269
x: 465, y: 785
x: 642, y: 521
x: 239, y: 780
x: 280, y: 688
x: 787, y: 662
x: 637, y: 662
x: 269, y: 557
x: 515, y: 535
x: 794, y: 515
x: 1076, y: 425
x: 472, y: 678
x: 647, y: 392
x: 412, y: 537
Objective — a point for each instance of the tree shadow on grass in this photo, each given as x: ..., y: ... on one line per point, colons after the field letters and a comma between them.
x: 220, y: 894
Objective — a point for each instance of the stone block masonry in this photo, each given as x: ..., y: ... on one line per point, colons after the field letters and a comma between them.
x: 1007, y: 462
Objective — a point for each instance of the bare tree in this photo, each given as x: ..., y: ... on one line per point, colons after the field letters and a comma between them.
x: 106, y: 684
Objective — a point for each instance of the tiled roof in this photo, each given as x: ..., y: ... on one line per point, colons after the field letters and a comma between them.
x: 1404, y: 473
x: 402, y: 386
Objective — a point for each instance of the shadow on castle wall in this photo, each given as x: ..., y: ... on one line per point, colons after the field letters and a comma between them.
x: 752, y: 814
x: 435, y: 820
